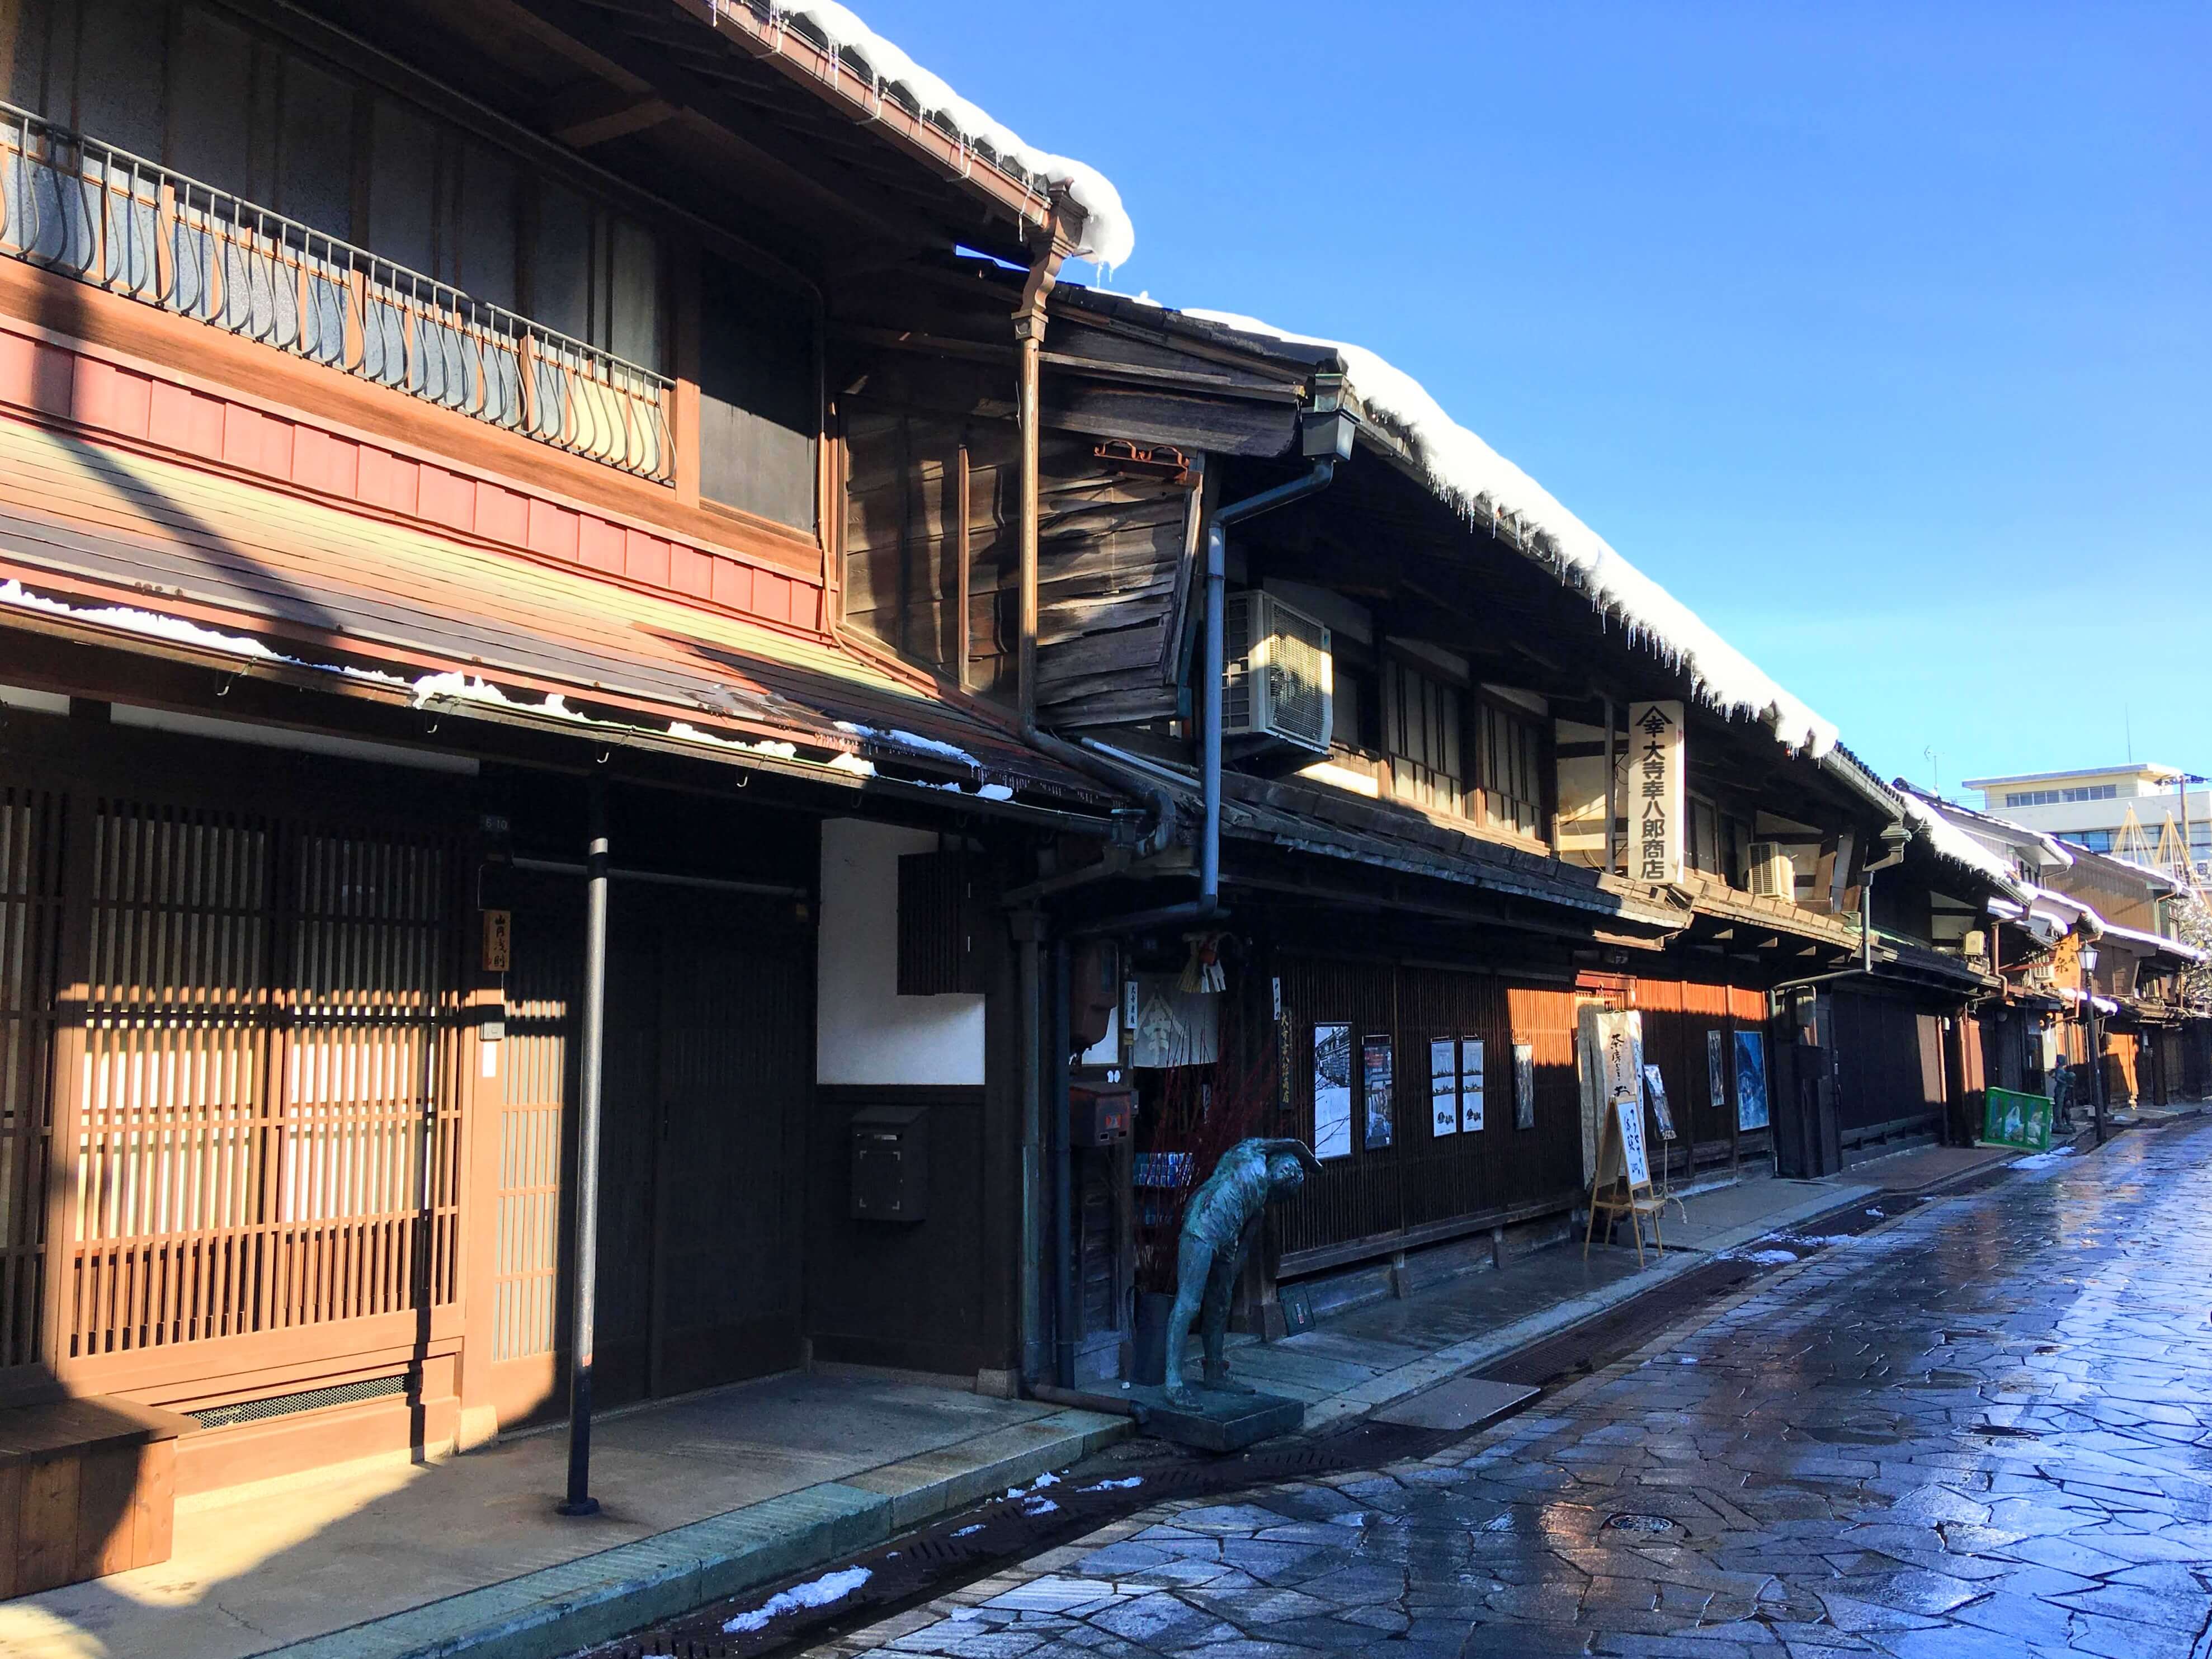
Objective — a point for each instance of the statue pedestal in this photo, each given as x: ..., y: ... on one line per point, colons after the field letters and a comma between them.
x: 1220, y: 1422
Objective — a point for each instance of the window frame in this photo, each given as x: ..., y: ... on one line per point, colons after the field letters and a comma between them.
x: 1492, y: 713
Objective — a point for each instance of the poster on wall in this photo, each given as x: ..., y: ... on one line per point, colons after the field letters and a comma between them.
x: 1524, y: 1086
x: 1750, y: 1081
x: 1662, y: 1113
x: 1332, y: 1091
x: 1630, y: 1113
x: 1470, y: 1085
x: 1443, y: 1088
x: 1375, y: 1074
x: 1716, y: 1071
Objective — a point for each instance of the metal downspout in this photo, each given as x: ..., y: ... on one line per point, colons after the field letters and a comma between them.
x: 1063, y: 1180
x: 591, y: 1046
x: 1029, y: 931
x: 1866, y: 968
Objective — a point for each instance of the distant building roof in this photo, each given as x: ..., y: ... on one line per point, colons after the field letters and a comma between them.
x: 2130, y: 769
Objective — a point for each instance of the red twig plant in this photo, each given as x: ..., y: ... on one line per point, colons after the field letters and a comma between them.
x: 1199, y: 1113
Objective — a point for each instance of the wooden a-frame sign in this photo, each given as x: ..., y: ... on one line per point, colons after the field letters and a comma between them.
x: 1623, y: 1185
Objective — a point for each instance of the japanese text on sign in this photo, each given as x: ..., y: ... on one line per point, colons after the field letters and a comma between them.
x: 1656, y: 792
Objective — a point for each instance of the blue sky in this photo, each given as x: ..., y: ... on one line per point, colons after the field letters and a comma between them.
x: 1883, y: 335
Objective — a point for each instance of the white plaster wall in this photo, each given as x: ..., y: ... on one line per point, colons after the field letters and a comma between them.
x: 863, y: 1031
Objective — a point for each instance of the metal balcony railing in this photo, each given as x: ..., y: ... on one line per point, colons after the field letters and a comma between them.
x: 73, y: 204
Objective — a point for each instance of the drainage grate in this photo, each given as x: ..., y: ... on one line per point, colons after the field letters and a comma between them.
x: 310, y: 1399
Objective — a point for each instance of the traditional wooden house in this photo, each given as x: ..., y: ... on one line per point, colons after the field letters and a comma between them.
x: 2151, y: 1034
x: 1368, y: 678
x: 2082, y: 942
x: 452, y: 798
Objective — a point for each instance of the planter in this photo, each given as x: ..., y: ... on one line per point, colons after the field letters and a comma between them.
x: 1148, y: 1344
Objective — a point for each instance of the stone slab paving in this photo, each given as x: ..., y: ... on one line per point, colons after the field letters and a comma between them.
x: 1980, y: 1431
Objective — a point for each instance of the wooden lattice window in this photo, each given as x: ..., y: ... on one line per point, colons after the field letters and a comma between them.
x: 268, y: 1124
x: 1421, y: 731
x: 1509, y: 764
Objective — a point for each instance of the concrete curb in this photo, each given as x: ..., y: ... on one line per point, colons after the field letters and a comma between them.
x: 597, y: 1597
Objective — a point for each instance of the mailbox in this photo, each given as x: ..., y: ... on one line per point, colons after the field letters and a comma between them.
x: 890, y: 1163
x: 1099, y: 1115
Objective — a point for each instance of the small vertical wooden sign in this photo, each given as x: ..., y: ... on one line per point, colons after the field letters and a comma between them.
x: 498, y: 940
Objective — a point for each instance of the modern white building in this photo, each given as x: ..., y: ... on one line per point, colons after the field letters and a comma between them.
x: 2103, y: 808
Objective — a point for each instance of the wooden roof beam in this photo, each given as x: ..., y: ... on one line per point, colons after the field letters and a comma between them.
x: 594, y: 113
x: 582, y: 33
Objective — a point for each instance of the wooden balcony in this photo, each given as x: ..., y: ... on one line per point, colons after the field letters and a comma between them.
x: 85, y: 210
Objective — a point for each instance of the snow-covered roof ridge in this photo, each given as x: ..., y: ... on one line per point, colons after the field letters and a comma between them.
x: 1468, y: 472
x: 1950, y: 842
x: 1109, y: 237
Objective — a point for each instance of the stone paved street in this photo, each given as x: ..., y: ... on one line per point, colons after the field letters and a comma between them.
x: 1981, y: 1429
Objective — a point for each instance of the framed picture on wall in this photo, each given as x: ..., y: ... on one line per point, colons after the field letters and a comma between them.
x: 1750, y: 1081
x: 1715, y: 1071
x: 1375, y: 1074
x: 1332, y: 1064
x: 1524, y: 1086
x: 1470, y: 1083
x: 1443, y: 1088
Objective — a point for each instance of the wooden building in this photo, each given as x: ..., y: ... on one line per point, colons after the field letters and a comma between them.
x: 420, y: 489
x: 1424, y: 865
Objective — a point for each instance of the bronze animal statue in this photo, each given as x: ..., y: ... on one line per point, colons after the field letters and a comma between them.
x: 1218, y: 1231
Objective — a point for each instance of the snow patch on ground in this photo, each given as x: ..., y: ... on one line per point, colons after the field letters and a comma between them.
x: 1109, y: 235
x: 1464, y: 470
x: 1766, y: 1258
x: 816, y: 1593
x: 969, y: 1532
x: 1131, y: 1484
x: 2044, y: 1160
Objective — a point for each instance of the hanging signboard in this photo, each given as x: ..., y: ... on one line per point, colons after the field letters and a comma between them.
x: 1656, y: 792
x: 1443, y: 1088
x: 1332, y: 1074
x: 1173, y: 1027
x: 1374, y: 1072
x: 1524, y: 1086
x: 1470, y: 1083
x: 1662, y: 1113
x: 1750, y: 1081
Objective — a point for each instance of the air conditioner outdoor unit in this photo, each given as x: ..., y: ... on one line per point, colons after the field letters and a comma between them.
x: 1772, y: 874
x: 1277, y: 682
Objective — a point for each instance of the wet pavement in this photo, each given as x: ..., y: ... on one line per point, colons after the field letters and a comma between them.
x: 1984, y: 1429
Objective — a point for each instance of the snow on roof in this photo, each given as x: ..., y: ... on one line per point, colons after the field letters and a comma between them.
x: 2156, y: 941
x: 1108, y: 236
x: 1954, y: 843
x: 1464, y: 470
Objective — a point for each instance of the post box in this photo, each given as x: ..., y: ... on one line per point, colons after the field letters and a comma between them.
x: 890, y: 1163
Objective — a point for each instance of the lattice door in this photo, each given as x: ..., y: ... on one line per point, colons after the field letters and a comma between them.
x: 267, y: 1134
